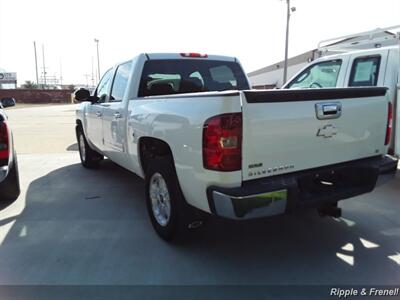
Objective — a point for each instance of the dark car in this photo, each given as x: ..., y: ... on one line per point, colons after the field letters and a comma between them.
x: 9, y: 179
x: 7, y: 102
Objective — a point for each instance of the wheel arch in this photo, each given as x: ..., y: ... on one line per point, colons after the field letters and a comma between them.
x: 80, y: 126
x: 151, y: 147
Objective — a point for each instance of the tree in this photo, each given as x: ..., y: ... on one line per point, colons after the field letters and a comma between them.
x: 29, y: 85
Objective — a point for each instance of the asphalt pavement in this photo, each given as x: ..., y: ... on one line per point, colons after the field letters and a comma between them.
x: 76, y: 226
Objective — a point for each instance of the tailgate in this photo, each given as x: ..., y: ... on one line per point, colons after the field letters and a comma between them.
x: 396, y: 136
x: 291, y: 130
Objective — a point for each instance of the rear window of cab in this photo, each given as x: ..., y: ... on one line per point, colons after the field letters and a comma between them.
x: 178, y: 76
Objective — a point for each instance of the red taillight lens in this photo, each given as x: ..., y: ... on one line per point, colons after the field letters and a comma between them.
x: 389, y: 124
x: 222, y: 142
x: 196, y: 55
x: 4, y: 140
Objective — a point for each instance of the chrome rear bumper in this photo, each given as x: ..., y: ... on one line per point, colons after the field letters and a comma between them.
x: 316, y: 187
x: 3, y: 172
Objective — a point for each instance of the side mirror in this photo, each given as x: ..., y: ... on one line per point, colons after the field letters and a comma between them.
x: 82, y: 95
x: 7, y: 102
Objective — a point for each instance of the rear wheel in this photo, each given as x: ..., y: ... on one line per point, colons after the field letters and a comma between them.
x: 10, y: 188
x: 166, y: 205
x: 89, y: 158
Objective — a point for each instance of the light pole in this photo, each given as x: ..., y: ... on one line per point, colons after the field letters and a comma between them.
x: 61, y: 78
x: 98, y: 58
x: 92, y: 74
x: 289, y: 10
x: 36, y: 67
x: 44, y: 69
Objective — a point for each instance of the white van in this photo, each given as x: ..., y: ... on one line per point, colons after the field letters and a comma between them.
x: 362, y: 68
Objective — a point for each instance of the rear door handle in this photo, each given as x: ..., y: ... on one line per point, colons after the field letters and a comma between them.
x: 332, y: 110
x: 117, y: 115
x: 99, y: 114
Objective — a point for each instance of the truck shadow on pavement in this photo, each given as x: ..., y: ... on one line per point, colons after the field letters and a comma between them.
x: 91, y: 227
x: 73, y: 147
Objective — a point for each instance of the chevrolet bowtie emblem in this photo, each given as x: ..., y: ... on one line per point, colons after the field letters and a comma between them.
x: 327, y: 131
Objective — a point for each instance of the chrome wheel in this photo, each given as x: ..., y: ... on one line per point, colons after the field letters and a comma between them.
x: 82, y: 148
x: 160, y: 199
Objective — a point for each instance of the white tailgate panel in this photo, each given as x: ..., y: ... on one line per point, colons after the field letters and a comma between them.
x: 397, y: 119
x: 282, y: 136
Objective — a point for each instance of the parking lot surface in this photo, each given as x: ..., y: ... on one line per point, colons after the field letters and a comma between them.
x: 76, y: 226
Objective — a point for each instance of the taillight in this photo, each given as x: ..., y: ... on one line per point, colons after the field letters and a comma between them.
x: 389, y: 124
x: 4, y: 141
x: 222, y: 142
x: 195, y: 55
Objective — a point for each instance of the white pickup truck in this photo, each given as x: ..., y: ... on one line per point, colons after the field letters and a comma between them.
x: 189, y: 125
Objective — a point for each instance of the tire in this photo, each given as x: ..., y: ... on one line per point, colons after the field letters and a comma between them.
x: 162, y: 189
x: 10, y: 187
x: 90, y: 158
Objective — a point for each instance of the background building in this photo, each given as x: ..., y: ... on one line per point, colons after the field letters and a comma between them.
x: 8, y: 80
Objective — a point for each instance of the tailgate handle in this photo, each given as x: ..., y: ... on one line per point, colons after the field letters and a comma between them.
x: 331, y: 110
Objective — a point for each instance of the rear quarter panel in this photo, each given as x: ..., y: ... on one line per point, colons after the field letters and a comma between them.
x: 179, y: 121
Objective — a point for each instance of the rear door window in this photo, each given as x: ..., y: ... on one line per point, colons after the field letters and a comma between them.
x: 320, y: 75
x: 177, y: 76
x: 120, y: 82
x: 365, y: 71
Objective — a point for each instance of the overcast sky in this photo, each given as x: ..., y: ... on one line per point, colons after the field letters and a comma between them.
x: 251, y: 30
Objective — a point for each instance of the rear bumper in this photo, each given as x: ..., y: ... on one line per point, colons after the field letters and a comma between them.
x: 3, y: 172
x: 5, y: 167
x: 316, y: 187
